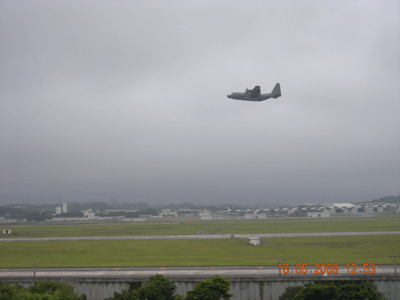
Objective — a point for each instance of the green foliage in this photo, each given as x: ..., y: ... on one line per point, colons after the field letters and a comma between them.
x: 290, y: 292
x: 346, y: 290
x: 42, y: 290
x: 125, y: 295
x: 52, y: 288
x: 358, y: 292
x: 316, y: 292
x: 158, y: 287
x: 8, y: 291
x: 211, y: 289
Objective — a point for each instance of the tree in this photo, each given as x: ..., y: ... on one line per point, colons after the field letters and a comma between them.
x: 8, y: 291
x: 53, y: 290
x: 42, y: 290
x: 158, y: 287
x: 363, y: 291
x: 211, y: 289
x: 333, y: 290
x: 290, y: 292
x: 316, y: 292
x: 38, y: 216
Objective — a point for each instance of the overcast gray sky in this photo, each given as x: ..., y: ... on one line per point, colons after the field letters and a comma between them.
x: 127, y: 100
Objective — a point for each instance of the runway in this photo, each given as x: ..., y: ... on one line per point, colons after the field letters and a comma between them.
x: 199, y: 236
x: 258, y: 271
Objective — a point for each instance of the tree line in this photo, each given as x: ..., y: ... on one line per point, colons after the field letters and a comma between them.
x: 159, y: 287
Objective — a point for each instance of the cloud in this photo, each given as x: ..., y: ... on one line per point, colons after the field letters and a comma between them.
x: 128, y: 100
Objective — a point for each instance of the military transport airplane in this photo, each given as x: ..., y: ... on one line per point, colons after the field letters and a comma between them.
x: 255, y: 94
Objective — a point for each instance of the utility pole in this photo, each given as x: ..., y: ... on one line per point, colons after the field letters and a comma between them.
x: 280, y: 266
x: 34, y: 268
x: 394, y: 256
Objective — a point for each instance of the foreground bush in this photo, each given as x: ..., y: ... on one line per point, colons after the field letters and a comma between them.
x: 40, y: 290
x: 333, y: 290
x: 159, y: 287
x: 214, y: 288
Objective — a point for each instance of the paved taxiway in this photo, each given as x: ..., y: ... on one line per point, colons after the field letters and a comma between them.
x: 199, y: 236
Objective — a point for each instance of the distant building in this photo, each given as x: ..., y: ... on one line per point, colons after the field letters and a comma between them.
x: 89, y: 214
x: 64, y: 208
x: 343, y: 205
x: 255, y: 216
x: 318, y: 215
x: 168, y: 213
x: 58, y: 210
x: 133, y: 219
x: 205, y: 215
x: 339, y: 210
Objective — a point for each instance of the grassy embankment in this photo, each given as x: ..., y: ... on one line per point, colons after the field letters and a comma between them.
x: 227, y: 252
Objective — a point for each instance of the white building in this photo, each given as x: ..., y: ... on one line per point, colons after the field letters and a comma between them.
x: 343, y: 205
x: 58, y: 210
x: 254, y: 241
x: 64, y: 208
x: 89, y: 214
x: 205, y: 215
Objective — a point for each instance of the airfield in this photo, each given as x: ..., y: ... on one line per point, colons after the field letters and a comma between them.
x: 201, y: 244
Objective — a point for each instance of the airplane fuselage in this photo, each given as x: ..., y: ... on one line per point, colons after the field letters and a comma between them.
x: 247, y: 97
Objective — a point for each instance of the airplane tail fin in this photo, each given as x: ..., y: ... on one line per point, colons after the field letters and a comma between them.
x: 276, y: 92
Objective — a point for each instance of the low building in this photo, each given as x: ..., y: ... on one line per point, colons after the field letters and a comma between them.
x: 339, y: 210
x: 318, y: 215
x: 4, y: 220
x: 254, y: 241
x: 205, y: 215
x: 89, y: 214
x: 255, y: 216
x: 343, y: 205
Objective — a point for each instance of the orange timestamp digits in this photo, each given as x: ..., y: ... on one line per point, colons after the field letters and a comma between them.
x: 367, y: 269
x: 321, y: 269
x: 303, y: 269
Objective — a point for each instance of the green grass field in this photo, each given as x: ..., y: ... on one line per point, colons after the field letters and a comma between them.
x: 222, y: 227
x: 227, y: 252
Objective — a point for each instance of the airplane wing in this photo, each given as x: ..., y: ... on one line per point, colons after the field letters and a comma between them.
x: 254, y: 93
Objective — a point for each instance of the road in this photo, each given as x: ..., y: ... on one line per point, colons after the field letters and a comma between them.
x: 192, y: 271
x: 199, y: 236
